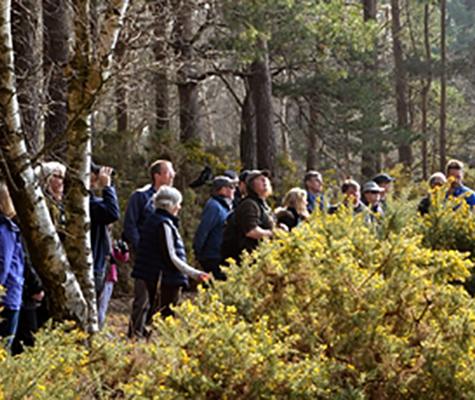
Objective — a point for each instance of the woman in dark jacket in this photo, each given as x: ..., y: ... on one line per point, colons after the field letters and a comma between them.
x: 160, y: 262
x: 11, y: 267
x: 294, y: 209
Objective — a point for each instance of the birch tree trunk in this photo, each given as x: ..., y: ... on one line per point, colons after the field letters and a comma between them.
x: 37, y: 228
x: 87, y: 76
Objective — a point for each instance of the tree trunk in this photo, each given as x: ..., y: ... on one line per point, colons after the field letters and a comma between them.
x: 284, y: 127
x: 371, y: 136
x: 312, y: 135
x: 426, y: 84
x: 27, y: 44
x: 55, y: 50
x: 261, y: 89
x: 187, y: 85
x: 121, y: 92
x: 46, y: 250
x: 87, y: 75
x: 160, y: 50
x: 443, y: 88
x: 248, y: 143
x: 405, y: 150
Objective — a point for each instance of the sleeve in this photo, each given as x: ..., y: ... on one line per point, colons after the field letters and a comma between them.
x: 209, y: 219
x: 106, y: 211
x: 248, y: 216
x: 7, y: 247
x: 182, y: 266
x: 132, y: 213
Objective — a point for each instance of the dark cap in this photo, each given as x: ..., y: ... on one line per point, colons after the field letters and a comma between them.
x: 312, y: 174
x: 256, y: 173
x: 231, y: 175
x: 372, y: 186
x: 222, y: 181
x: 383, y: 178
x: 243, y: 175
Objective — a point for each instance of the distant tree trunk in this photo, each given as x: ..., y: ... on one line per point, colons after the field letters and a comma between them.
x: 55, y: 50
x: 248, y: 141
x: 121, y: 92
x: 425, y: 94
x: 370, y: 148
x: 261, y: 89
x: 27, y: 44
x: 187, y: 84
x: 160, y: 49
x: 443, y: 88
x: 38, y: 230
x: 312, y: 135
x: 284, y: 133
x: 405, y: 150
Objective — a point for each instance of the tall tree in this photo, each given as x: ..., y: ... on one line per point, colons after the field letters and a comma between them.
x: 443, y: 87
x: 400, y: 76
x: 248, y: 141
x: 261, y: 89
x: 38, y: 230
x: 187, y: 82
x: 426, y: 85
x: 312, y: 134
x: 55, y: 51
x: 27, y: 44
x: 370, y: 157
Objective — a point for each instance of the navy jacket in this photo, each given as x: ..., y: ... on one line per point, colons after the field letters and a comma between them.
x: 209, y: 235
x: 138, y: 209
x: 152, y: 259
x: 315, y: 200
x: 104, y: 211
x: 12, y: 263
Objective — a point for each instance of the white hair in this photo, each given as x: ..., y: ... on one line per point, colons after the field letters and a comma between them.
x: 167, y: 198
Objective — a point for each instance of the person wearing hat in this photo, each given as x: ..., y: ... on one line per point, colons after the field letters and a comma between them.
x: 209, y: 234
x: 372, y: 196
x: 384, y: 181
x: 313, y: 184
x: 351, y: 191
x: 104, y: 210
x: 253, y: 215
x: 161, y: 268
x: 436, y: 180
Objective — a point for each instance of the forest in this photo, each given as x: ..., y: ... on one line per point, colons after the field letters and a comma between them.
x: 334, y: 309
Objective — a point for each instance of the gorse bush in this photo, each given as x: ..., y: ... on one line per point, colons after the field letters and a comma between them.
x: 332, y: 310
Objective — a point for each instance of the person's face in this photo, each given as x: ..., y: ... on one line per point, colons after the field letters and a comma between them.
x: 437, y: 183
x: 386, y: 186
x: 353, y: 195
x: 314, y: 185
x: 372, y: 197
x: 166, y: 175
x: 262, y: 186
x: 56, y: 183
x: 176, y: 210
x: 456, y: 175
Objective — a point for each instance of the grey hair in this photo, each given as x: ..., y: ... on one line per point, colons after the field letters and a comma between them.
x: 167, y: 197
x: 437, y: 176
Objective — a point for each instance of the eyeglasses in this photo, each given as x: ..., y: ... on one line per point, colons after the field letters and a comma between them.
x: 58, y: 176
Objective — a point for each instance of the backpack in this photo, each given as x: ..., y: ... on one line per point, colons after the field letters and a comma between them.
x: 233, y: 241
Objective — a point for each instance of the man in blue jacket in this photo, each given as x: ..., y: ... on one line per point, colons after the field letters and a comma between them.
x: 140, y: 204
x: 104, y: 211
x: 457, y: 188
x: 209, y: 235
x: 313, y: 183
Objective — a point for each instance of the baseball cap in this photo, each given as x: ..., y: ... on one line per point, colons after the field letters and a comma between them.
x: 372, y: 186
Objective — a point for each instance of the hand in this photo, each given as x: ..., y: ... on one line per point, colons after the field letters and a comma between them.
x: 38, y: 296
x: 204, y: 277
x: 105, y: 176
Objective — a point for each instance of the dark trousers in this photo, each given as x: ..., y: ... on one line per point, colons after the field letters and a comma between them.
x: 213, y: 266
x: 27, y: 327
x: 147, y: 302
x: 8, y: 325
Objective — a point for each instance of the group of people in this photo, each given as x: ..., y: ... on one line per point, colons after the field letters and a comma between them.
x: 235, y: 218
